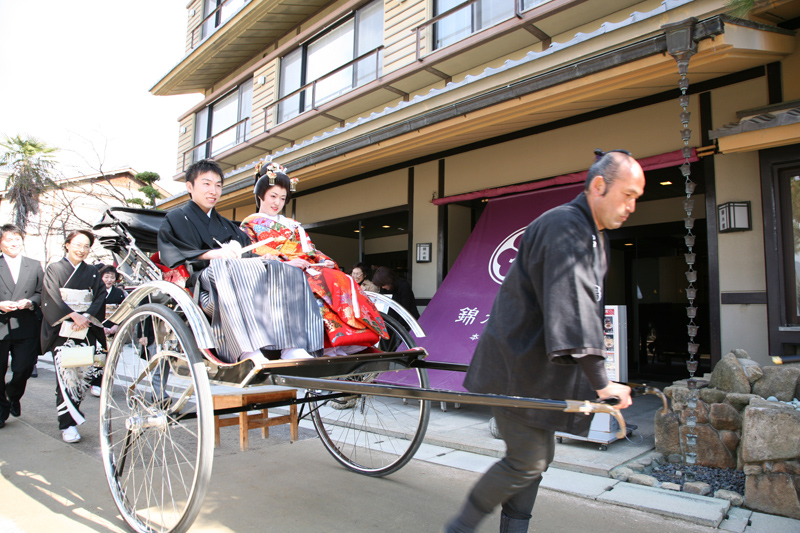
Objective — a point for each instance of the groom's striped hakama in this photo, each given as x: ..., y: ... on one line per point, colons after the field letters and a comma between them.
x: 258, y: 303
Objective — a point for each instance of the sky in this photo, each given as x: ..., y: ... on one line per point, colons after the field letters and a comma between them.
x: 77, y: 76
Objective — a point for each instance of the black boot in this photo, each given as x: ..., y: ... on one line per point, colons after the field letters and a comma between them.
x: 512, y: 525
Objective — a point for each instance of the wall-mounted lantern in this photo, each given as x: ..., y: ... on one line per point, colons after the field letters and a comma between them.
x: 734, y: 216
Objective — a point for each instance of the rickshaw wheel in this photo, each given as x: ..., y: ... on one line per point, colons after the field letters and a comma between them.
x: 375, y: 435
x: 156, y: 422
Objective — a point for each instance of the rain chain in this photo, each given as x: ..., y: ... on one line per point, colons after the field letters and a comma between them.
x: 681, y: 47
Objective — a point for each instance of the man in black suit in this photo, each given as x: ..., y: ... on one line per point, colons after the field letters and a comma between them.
x: 20, y: 297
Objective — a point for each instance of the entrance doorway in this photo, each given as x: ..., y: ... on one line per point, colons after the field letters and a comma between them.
x: 652, y: 273
x: 379, y: 238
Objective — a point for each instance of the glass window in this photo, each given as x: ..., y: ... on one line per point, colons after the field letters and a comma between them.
x: 530, y: 4
x: 790, y: 183
x: 328, y: 59
x: 200, y: 133
x: 473, y: 18
x: 369, y: 36
x: 228, y: 8
x: 454, y: 27
x: 291, y: 80
x: 216, y: 122
x: 327, y: 54
x: 469, y: 19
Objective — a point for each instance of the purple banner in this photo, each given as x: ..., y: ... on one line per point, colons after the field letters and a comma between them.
x: 454, y: 319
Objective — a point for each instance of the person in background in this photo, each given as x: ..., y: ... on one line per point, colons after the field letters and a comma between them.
x: 20, y: 297
x: 400, y: 289
x: 359, y: 274
x: 114, y: 297
x: 72, y: 272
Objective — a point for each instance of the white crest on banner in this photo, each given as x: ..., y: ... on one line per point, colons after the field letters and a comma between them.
x: 499, y: 266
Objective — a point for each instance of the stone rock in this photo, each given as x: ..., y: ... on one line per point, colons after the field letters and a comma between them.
x: 738, y: 400
x: 636, y: 466
x: 643, y: 479
x: 701, y: 383
x: 772, y: 493
x: 622, y: 473
x: 671, y: 486
x: 701, y: 412
x: 697, y: 487
x: 675, y: 458
x: 724, y: 416
x: 787, y: 467
x: 712, y: 395
x: 770, y: 404
x: 740, y: 353
x: 730, y: 439
x: 710, y: 449
x: 667, y: 438
x: 645, y: 461
x: 679, y: 397
x: 658, y: 458
x: 751, y: 369
x: 770, y: 434
x: 729, y: 376
x: 735, y: 498
x: 779, y: 381
x: 752, y: 470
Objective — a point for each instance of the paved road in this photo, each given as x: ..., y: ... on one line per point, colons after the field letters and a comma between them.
x: 47, y: 485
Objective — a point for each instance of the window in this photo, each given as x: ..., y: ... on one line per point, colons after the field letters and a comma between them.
x: 780, y: 200
x: 328, y: 59
x: 227, y: 8
x: 789, y: 187
x: 473, y: 18
x: 225, y: 123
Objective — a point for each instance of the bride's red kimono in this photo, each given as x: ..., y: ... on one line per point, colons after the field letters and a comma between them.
x: 350, y: 317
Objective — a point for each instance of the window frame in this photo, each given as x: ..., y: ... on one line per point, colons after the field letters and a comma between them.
x: 204, y: 148
x: 775, y: 165
x: 476, y: 10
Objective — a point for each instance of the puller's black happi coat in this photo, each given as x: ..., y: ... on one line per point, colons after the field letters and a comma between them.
x: 61, y: 274
x: 188, y: 232
x: 549, y: 310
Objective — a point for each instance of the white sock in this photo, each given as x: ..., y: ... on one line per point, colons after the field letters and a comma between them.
x: 256, y: 356
x: 295, y: 353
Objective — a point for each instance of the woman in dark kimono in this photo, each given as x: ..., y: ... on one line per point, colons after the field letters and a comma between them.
x: 72, y: 272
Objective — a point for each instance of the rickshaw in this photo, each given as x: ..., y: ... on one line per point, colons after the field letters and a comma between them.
x: 156, y: 409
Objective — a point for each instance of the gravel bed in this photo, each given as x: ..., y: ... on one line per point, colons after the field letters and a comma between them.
x: 718, y: 478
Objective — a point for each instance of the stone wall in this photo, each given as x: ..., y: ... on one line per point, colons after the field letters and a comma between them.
x: 748, y: 418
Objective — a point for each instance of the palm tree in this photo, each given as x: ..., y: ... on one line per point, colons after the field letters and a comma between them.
x: 741, y: 8
x: 31, y: 162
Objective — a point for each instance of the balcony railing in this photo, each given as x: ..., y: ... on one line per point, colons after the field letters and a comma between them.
x: 240, y: 137
x: 419, y: 31
x: 270, y: 110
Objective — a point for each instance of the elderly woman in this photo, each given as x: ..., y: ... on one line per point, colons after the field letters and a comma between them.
x: 351, y: 320
x: 72, y: 272
x: 359, y: 274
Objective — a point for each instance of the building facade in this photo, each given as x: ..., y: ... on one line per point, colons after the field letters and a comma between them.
x: 76, y: 203
x: 402, y: 117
